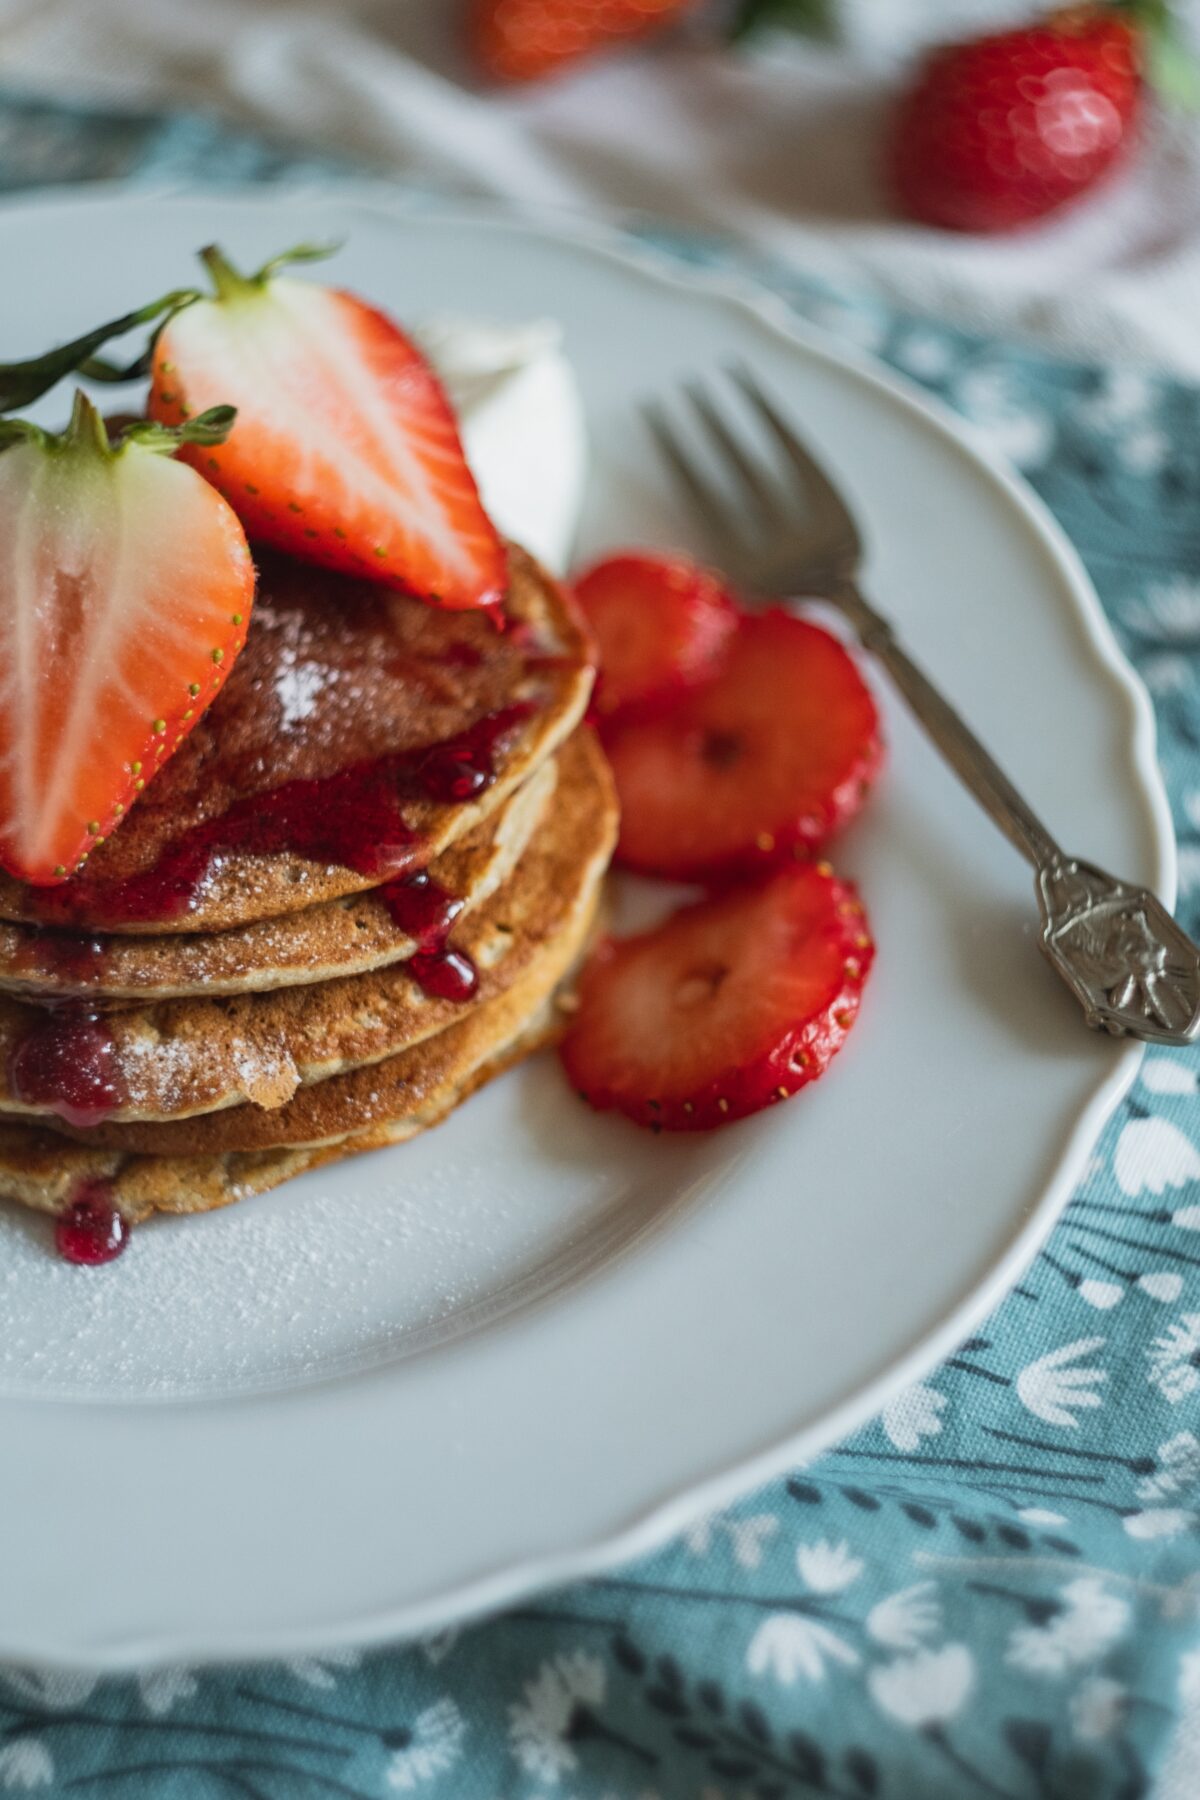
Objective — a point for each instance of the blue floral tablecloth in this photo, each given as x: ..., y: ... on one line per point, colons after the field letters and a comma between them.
x: 994, y: 1588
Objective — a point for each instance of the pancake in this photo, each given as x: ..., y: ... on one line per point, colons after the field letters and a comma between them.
x: 186, y: 1058
x: 40, y: 1170
x: 359, y: 734
x: 341, y: 937
x: 383, y: 1093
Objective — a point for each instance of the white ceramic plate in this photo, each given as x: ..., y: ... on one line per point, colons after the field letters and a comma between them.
x: 537, y: 1340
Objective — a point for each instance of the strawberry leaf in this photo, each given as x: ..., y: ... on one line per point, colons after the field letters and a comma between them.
x: 814, y: 17
x: 211, y: 427
x: 16, y: 431
x: 1172, y: 71
x: 300, y: 253
x: 21, y: 383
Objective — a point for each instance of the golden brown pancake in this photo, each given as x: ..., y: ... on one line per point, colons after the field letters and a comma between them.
x: 184, y: 1058
x: 40, y: 1170
x: 359, y: 734
x: 341, y: 937
x: 386, y: 1092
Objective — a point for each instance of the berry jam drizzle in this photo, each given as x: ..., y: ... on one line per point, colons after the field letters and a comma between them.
x: 70, y: 955
x: 426, y: 911
x: 90, y: 1230
x: 354, y: 818
x: 68, y: 1063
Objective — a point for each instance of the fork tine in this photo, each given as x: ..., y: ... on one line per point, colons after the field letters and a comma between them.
x: 758, y: 490
x: 708, y: 501
x: 819, y: 489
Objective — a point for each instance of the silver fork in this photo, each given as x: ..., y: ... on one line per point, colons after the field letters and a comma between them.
x: 779, y: 528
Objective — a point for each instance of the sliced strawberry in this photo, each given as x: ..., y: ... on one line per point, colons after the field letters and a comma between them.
x: 660, y: 622
x: 730, y: 1005
x: 345, y: 451
x: 768, y: 757
x: 125, y: 590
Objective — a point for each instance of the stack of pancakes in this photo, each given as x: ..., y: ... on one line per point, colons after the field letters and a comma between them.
x: 356, y: 892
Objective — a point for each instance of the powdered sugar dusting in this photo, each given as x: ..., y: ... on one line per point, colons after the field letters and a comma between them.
x: 298, y: 687
x: 361, y: 1263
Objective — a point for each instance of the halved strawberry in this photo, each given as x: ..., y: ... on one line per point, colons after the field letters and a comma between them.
x: 125, y: 590
x: 661, y: 623
x: 766, y: 758
x: 730, y: 1005
x: 346, y: 451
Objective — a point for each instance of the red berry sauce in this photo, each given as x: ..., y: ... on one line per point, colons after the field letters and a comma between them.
x: 422, y: 908
x: 67, y: 1062
x: 354, y: 818
x: 70, y: 955
x: 90, y: 1230
x: 426, y: 911
x: 446, y: 974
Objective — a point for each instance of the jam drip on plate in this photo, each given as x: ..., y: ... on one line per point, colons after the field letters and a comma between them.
x: 354, y: 818
x: 426, y: 911
x: 67, y: 1062
x: 90, y: 1229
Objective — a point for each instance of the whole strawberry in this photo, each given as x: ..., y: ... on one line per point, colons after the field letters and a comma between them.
x: 998, y: 131
x: 522, y: 40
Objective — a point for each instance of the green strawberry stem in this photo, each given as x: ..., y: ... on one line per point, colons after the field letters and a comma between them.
x: 227, y: 282
x: 87, y: 432
x: 230, y: 284
x: 21, y: 383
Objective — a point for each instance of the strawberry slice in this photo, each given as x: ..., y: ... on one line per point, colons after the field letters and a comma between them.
x: 125, y: 590
x: 765, y: 759
x: 730, y: 1005
x: 346, y: 451
x: 660, y: 622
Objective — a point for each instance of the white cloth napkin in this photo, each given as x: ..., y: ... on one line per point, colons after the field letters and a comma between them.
x: 778, y: 148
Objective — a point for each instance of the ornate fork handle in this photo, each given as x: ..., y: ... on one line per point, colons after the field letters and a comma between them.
x: 1132, y: 968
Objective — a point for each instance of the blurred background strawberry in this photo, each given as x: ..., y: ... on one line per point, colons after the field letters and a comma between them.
x: 993, y: 131
x: 999, y: 130
x: 522, y: 40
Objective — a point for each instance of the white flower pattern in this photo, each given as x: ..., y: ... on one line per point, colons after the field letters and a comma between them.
x: 1159, y: 1522
x: 1153, y: 1155
x: 826, y: 1568
x: 25, y: 1764
x: 1169, y: 610
x: 1163, y: 1285
x: 161, y: 1688
x: 540, y: 1724
x: 1010, y: 426
x: 1175, y: 1359
x: 913, y: 1415
x: 322, y: 1671
x: 434, y: 1747
x: 787, y: 1645
x: 1178, y: 1460
x: 903, y: 1620
x: 1054, y: 1388
x: 926, y: 1688
x: 747, y: 1538
x: 1089, y: 1620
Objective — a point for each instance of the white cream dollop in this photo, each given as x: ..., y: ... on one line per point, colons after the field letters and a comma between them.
x: 521, y: 417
